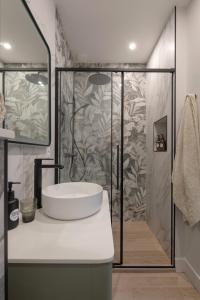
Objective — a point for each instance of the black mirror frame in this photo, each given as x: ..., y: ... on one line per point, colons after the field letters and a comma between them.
x: 49, y: 78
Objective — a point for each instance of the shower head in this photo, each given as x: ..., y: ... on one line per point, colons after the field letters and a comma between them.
x: 99, y: 79
x: 37, y: 78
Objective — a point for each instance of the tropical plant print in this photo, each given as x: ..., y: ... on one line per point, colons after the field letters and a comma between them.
x: 134, y: 162
x: 92, y: 130
x: 27, y: 108
x: 94, y: 113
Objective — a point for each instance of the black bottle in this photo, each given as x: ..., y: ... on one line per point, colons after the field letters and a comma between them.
x: 13, y: 207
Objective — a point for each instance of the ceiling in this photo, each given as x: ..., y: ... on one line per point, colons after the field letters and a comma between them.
x: 101, y: 30
x: 17, y: 28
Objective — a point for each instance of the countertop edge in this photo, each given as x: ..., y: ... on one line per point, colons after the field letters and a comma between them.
x: 61, y: 261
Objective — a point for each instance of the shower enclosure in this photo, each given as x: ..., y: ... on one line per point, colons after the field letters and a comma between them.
x: 115, y: 127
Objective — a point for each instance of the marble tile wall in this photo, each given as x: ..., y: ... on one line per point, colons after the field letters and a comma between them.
x: 158, y: 98
x: 21, y: 157
x: 1, y: 220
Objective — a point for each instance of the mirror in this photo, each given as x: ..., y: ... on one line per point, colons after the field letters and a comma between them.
x: 24, y: 74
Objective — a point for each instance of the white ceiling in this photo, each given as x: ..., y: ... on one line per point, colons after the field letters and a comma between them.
x: 101, y: 30
x: 17, y: 28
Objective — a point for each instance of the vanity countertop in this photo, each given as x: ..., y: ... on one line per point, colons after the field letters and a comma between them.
x: 6, y: 134
x: 46, y: 240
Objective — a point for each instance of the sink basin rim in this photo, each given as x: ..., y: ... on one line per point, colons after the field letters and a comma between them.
x: 72, y: 200
x: 47, y: 190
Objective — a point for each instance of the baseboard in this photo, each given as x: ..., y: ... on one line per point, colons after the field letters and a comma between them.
x: 183, y: 265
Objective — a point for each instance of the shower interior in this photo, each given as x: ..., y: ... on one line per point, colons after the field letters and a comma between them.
x: 105, y: 131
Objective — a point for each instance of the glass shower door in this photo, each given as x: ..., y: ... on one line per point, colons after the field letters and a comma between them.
x: 116, y: 207
x: 147, y: 201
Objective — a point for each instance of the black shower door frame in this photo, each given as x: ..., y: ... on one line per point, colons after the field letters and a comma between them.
x: 171, y: 71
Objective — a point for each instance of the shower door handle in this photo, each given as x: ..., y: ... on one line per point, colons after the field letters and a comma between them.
x: 117, y: 167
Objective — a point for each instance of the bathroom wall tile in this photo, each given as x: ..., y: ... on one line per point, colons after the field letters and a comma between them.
x: 158, y: 97
x: 63, y: 53
x: 108, y: 65
x: 21, y: 157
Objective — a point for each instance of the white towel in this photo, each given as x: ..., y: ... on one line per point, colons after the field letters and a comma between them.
x: 186, y: 173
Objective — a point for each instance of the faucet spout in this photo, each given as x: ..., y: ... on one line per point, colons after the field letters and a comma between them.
x: 38, y: 166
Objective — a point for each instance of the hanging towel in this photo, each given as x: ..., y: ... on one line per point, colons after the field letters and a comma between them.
x: 186, y: 173
x: 2, y: 108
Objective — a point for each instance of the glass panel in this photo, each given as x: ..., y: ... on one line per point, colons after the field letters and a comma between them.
x: 147, y: 174
x: 2, y: 262
x: 116, y: 156
x: 85, y: 110
x: 66, y: 108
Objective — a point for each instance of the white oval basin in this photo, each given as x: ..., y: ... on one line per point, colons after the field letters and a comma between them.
x: 72, y: 200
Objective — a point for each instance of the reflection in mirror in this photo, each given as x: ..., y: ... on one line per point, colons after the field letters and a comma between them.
x: 24, y: 74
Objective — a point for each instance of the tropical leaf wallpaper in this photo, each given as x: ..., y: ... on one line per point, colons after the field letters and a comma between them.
x: 134, y: 146
x: 92, y: 131
x: 27, y: 108
x: 65, y: 114
x: 87, y: 114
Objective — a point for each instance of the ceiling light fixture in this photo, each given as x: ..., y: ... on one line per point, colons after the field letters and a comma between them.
x: 6, y: 45
x: 132, y: 46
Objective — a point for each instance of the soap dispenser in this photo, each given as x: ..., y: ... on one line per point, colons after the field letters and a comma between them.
x: 13, y: 207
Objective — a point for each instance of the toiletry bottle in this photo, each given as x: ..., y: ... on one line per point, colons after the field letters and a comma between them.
x: 158, y: 143
x: 163, y: 145
x: 13, y: 207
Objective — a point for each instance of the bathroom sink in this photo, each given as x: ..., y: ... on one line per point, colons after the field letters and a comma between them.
x: 72, y: 200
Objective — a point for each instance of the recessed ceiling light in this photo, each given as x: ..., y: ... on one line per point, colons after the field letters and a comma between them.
x: 6, y: 45
x: 132, y: 46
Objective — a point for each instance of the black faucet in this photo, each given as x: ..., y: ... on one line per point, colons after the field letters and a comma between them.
x: 38, y: 166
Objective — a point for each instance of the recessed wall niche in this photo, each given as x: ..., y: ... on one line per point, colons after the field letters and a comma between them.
x: 160, y: 135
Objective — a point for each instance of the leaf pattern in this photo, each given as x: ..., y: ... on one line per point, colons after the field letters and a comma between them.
x: 26, y: 108
x: 92, y: 132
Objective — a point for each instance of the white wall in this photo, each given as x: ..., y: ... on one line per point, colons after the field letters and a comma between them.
x: 188, y: 81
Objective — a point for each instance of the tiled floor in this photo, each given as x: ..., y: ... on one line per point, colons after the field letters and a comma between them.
x: 152, y: 286
x: 140, y: 245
